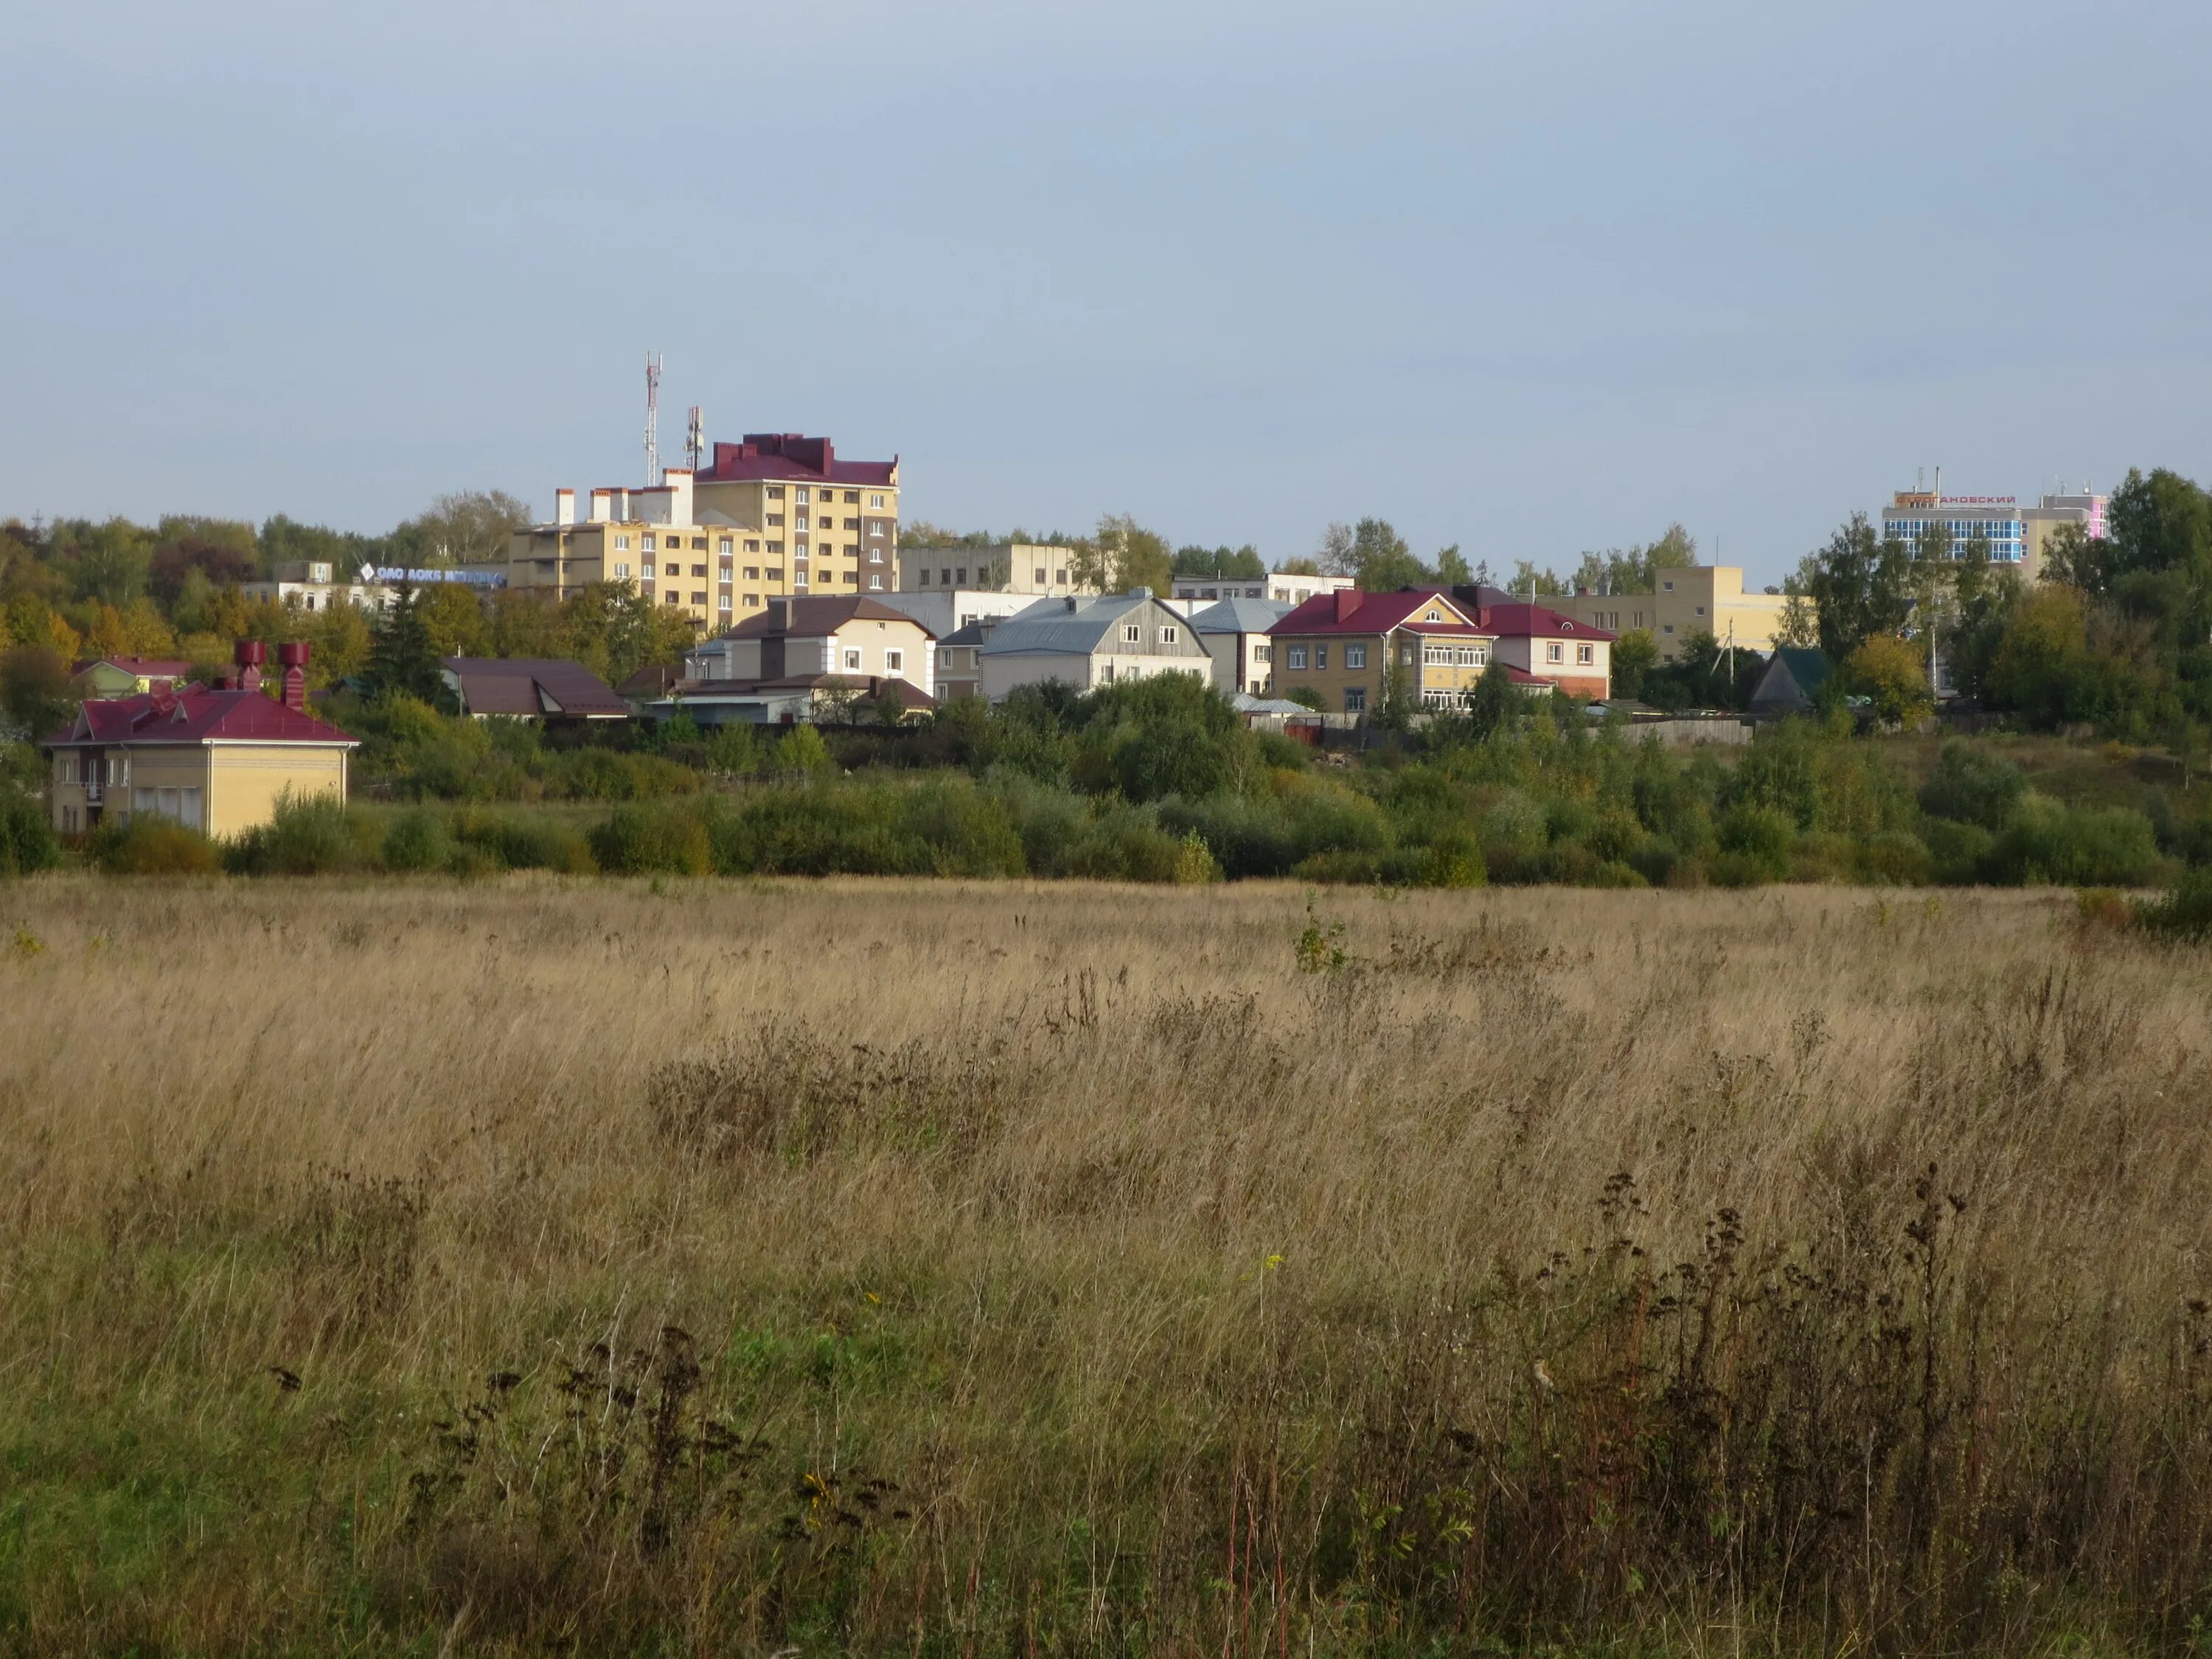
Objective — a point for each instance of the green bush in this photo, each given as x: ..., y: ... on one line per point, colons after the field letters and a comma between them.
x: 1970, y: 786
x: 28, y: 843
x: 524, y: 840
x: 2044, y: 842
x: 317, y: 836
x: 800, y: 751
x: 2184, y: 913
x: 418, y: 840
x: 636, y: 841
x: 1755, y: 841
x: 148, y: 844
x: 1894, y: 859
x: 1957, y: 852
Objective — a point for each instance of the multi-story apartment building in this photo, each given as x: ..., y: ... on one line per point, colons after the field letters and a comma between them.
x: 1684, y: 599
x: 2044, y: 518
x: 777, y: 515
x: 832, y: 524
x: 1997, y: 520
x: 1343, y: 645
x: 1277, y: 587
x: 1037, y: 569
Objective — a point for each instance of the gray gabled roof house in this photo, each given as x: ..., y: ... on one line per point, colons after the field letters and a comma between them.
x: 1090, y: 642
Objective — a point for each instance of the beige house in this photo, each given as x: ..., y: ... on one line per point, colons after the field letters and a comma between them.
x: 1705, y: 599
x: 1091, y: 642
x: 1345, y: 646
x: 216, y: 759
x: 1235, y: 635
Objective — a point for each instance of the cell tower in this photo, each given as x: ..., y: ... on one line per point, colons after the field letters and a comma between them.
x: 652, y: 419
x: 695, y: 439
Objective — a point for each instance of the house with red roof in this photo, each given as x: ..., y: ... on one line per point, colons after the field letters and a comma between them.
x: 217, y: 759
x: 1343, y: 645
x: 127, y: 677
x: 1575, y: 656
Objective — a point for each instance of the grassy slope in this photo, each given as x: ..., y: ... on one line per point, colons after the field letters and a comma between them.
x: 1124, y: 1289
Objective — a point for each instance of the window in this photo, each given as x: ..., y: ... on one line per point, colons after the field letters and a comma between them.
x: 1061, y: 577
x: 1297, y: 656
x: 752, y: 573
x: 699, y: 600
x: 853, y: 497
x: 1434, y: 656
x: 1168, y: 636
x: 723, y: 603
x: 1355, y: 699
x: 1040, y: 577
x: 675, y: 598
x: 851, y: 662
x: 752, y: 600
x: 775, y: 492
x: 877, y: 502
x: 875, y: 554
x: 852, y: 523
x: 852, y: 579
x: 1667, y: 587
x: 729, y: 546
x: 961, y: 571
x: 1667, y: 628
x: 622, y: 544
x: 775, y: 574
x: 800, y: 495
x: 1261, y: 653
x: 1320, y: 656
x: 1132, y: 633
x: 1586, y: 654
x: 1700, y: 610
x: 775, y: 521
x: 875, y: 584
x: 1554, y: 652
x: 676, y: 570
x: 699, y: 573
x: 67, y: 760
x: 799, y: 520
x: 752, y: 547
x: 1355, y: 656
x: 647, y: 544
x: 698, y: 544
x: 1434, y: 615
x: 622, y: 570
x: 775, y: 548
x: 924, y: 576
x: 728, y: 570
x: 894, y: 662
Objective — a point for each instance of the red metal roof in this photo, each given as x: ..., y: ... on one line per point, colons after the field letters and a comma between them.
x: 1512, y: 621
x: 196, y: 714
x: 790, y: 456
x: 1352, y: 611
x: 148, y: 667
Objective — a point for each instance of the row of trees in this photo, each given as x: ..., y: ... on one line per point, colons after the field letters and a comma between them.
x: 2117, y: 633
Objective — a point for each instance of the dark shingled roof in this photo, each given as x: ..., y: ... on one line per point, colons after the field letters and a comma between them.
x: 533, y: 687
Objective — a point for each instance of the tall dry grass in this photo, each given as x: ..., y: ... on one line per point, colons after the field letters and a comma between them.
x: 976, y: 1270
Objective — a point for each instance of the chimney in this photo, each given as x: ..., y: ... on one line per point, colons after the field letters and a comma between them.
x: 249, y: 655
x: 564, y: 507
x: 778, y: 614
x: 602, y: 505
x: 679, y: 494
x: 1348, y: 601
x: 293, y: 656
x: 621, y: 505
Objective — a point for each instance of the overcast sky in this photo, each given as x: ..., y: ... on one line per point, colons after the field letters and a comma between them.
x: 1529, y: 277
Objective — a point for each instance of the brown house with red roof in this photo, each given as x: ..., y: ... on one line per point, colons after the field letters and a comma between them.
x: 1344, y: 645
x: 217, y: 759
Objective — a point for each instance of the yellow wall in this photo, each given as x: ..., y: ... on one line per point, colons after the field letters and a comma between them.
x: 1688, y: 600
x: 246, y: 780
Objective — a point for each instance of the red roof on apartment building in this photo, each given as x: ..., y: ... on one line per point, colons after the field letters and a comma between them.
x: 1349, y: 610
x: 193, y: 715
x: 1513, y: 621
x: 786, y: 457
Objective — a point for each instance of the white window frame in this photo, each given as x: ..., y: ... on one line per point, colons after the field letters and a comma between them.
x: 1355, y: 656
x: 894, y: 662
x: 852, y: 661
x: 1297, y: 656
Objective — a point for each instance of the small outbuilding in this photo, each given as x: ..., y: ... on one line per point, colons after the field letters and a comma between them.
x: 1792, y: 682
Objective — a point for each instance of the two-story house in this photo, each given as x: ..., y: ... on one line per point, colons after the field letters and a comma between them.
x: 1348, y: 645
x: 1091, y: 642
x: 217, y: 759
x: 802, y: 658
x: 1235, y: 634
x: 1577, y: 656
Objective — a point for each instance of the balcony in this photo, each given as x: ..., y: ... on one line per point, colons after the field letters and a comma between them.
x: 92, y: 794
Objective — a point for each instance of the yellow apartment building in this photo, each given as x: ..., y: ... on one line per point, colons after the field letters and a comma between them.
x: 1705, y: 599
x: 776, y: 514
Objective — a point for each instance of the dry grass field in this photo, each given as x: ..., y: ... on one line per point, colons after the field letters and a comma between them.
x: 877, y: 1267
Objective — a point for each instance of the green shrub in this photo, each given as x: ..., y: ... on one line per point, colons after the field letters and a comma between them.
x: 418, y: 840
x: 2044, y: 842
x: 28, y: 843
x: 1894, y: 859
x: 1613, y: 873
x: 1957, y: 852
x: 148, y: 844
x: 1340, y: 865
x: 525, y: 841
x: 1753, y: 838
x: 800, y: 751
x: 1971, y: 787
x: 2184, y: 912
x: 317, y: 836
x: 637, y: 841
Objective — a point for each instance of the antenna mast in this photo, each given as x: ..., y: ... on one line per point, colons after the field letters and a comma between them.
x: 652, y: 419
x: 694, y: 440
